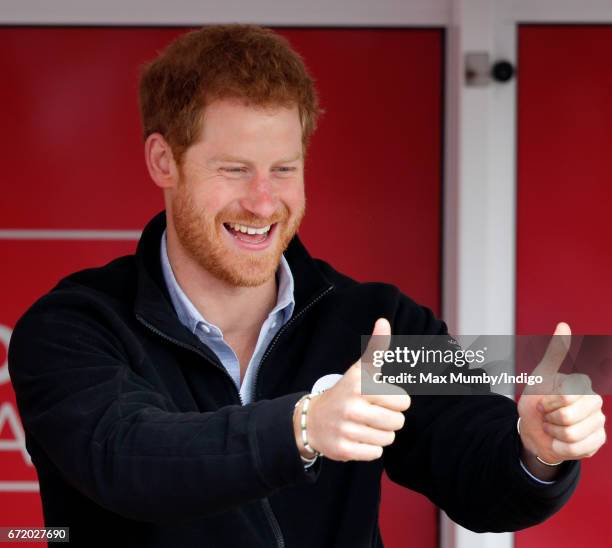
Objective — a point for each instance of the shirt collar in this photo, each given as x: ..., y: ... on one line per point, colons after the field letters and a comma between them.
x: 190, y: 316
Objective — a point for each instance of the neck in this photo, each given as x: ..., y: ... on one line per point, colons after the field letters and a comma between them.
x: 232, y: 309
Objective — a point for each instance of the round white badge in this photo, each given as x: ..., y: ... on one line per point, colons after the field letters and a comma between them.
x: 325, y: 383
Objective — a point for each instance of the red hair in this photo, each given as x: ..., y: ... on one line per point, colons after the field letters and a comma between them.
x: 244, y: 62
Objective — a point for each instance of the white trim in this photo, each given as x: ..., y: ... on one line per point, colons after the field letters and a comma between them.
x: 193, y: 12
x: 479, y: 223
x: 18, y: 234
x: 555, y: 11
x: 479, y: 199
x: 450, y: 190
x: 19, y: 486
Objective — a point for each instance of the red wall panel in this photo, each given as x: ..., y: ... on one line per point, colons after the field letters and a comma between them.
x: 73, y: 160
x: 374, y: 178
x: 564, y: 264
x: 71, y: 138
x: 31, y: 268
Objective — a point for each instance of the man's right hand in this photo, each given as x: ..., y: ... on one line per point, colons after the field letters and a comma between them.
x: 344, y: 424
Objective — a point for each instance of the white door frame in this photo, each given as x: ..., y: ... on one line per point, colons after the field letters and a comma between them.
x: 480, y: 133
x: 369, y: 13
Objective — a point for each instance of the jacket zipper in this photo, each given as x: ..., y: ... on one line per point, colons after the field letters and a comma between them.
x: 283, y: 329
x: 192, y: 348
x: 265, y: 503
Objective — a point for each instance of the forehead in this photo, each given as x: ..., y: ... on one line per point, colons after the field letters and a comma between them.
x: 233, y: 120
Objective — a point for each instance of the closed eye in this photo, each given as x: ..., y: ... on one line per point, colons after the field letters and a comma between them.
x: 284, y: 170
x: 234, y: 169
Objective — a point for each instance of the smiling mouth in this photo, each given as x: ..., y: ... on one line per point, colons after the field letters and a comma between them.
x: 249, y: 234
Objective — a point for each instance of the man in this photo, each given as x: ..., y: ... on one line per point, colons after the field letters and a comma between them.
x: 165, y: 396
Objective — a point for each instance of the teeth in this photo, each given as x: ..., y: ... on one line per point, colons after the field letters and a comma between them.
x: 249, y: 229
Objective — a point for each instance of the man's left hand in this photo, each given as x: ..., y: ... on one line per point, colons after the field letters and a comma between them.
x: 564, y: 421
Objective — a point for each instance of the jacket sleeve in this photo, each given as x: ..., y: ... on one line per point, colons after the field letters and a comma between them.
x: 463, y: 453
x: 123, y: 444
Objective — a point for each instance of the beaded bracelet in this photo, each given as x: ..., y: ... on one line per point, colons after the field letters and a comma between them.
x: 518, y: 429
x: 303, y: 424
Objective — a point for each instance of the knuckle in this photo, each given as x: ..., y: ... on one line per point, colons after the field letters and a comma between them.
x: 397, y: 420
x: 350, y: 410
x: 572, y: 450
x: 389, y: 438
x: 584, y: 379
x: 343, y: 451
x: 345, y: 430
x: 552, y: 430
x: 578, y: 379
x: 570, y: 435
x: 369, y: 455
x: 565, y: 416
x: 602, y: 419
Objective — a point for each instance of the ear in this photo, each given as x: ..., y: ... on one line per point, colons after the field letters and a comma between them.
x: 160, y: 161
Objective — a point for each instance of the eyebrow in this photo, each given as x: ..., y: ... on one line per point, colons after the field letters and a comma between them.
x: 226, y: 158
x: 238, y: 160
x: 291, y: 159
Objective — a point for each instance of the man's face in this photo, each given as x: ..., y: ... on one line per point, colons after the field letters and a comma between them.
x: 240, y: 197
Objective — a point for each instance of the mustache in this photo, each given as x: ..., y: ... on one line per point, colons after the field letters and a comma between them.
x: 255, y: 220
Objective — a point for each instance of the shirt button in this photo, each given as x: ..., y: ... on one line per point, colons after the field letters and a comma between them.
x: 205, y: 328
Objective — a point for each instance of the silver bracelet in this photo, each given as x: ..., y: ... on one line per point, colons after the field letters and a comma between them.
x: 304, y: 422
x: 518, y: 429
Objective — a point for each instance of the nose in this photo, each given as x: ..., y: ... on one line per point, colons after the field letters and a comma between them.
x: 260, y: 196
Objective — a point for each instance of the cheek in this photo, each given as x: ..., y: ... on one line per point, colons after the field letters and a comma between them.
x: 214, y: 200
x: 207, y: 192
x: 294, y: 197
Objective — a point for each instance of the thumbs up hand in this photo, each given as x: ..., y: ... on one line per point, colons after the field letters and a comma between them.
x: 564, y: 421
x: 344, y: 424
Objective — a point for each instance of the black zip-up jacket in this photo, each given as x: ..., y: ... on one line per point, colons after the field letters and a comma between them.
x: 139, y: 437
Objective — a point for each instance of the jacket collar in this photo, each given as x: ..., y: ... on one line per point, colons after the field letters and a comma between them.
x: 153, y: 303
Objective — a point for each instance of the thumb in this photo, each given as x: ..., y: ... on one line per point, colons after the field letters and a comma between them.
x: 382, y: 327
x: 555, y: 353
x: 378, y: 343
x: 380, y: 339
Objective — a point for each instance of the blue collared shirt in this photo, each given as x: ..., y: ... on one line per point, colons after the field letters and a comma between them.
x: 212, y: 336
